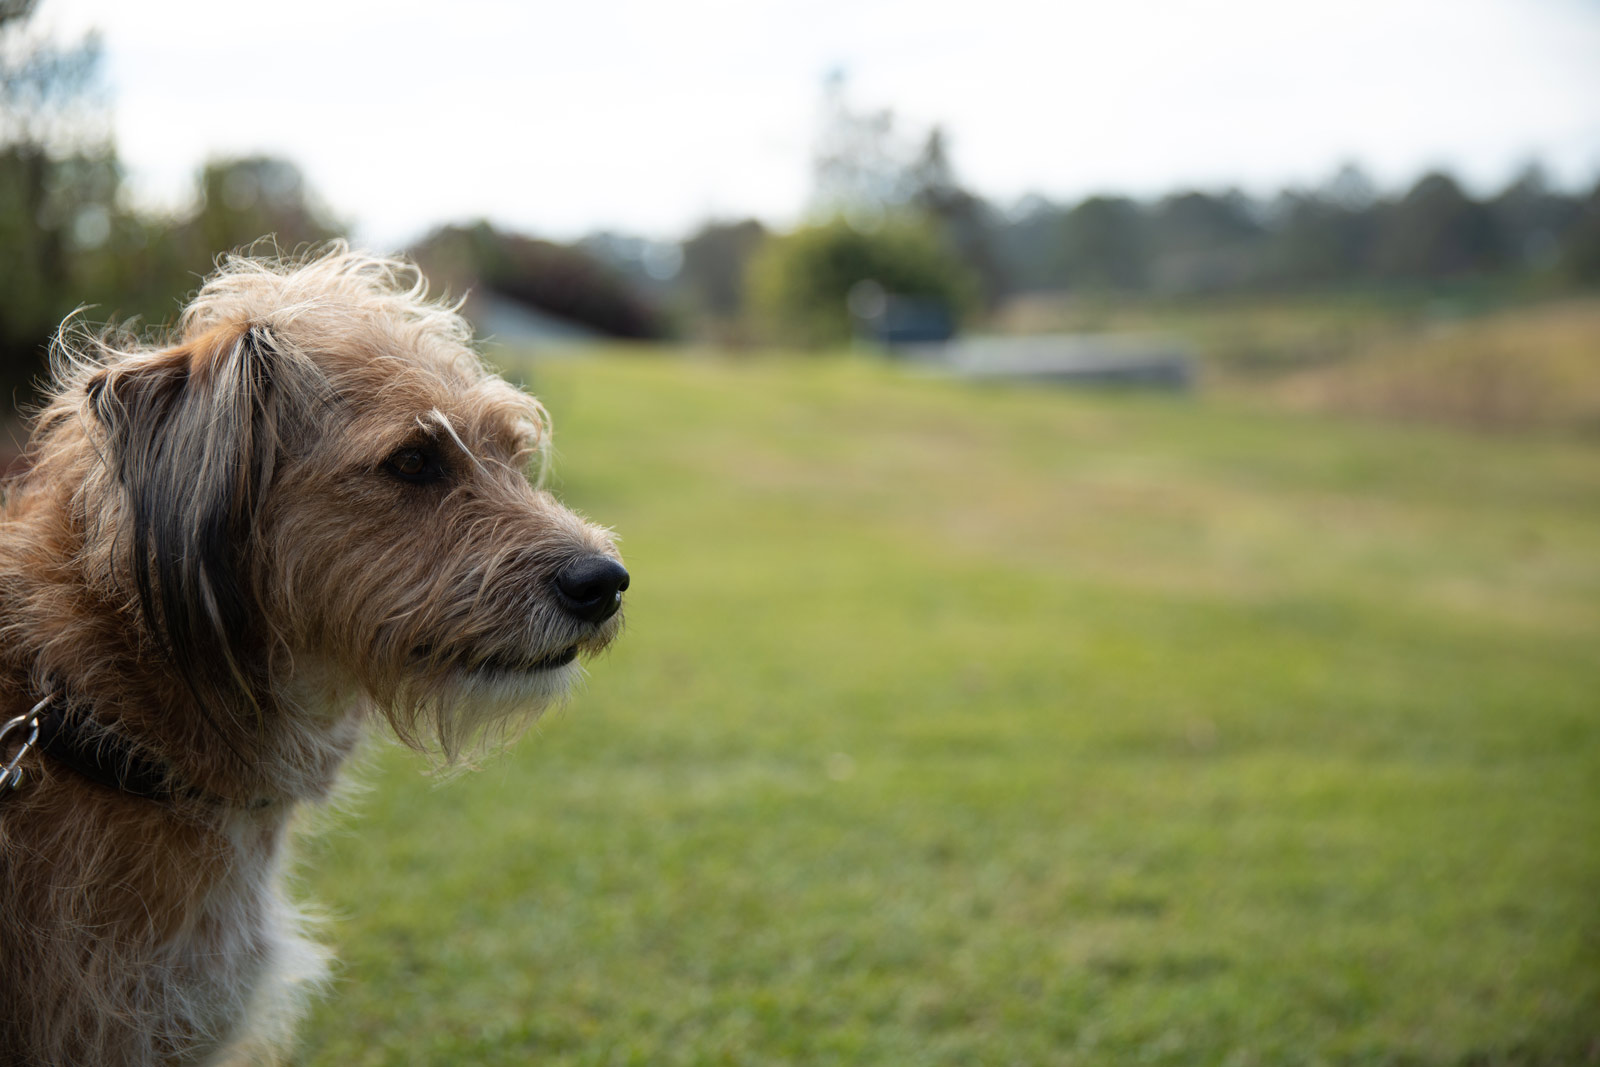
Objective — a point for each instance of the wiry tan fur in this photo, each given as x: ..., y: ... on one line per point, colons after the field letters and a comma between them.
x: 210, y: 552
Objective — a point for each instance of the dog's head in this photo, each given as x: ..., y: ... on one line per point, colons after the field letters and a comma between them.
x: 320, y: 483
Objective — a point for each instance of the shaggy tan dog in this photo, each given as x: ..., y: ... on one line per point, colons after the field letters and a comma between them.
x: 308, y: 509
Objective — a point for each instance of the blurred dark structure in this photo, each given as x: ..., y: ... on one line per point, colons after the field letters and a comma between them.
x: 563, y: 282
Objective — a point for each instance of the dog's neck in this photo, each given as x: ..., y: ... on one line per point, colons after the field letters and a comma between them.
x: 274, y: 769
x: 285, y: 746
x: 67, y: 735
x: 146, y: 734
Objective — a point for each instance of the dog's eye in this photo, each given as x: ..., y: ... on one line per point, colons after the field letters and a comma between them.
x: 414, y: 465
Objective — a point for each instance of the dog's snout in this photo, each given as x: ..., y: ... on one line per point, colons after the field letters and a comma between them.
x: 590, y: 587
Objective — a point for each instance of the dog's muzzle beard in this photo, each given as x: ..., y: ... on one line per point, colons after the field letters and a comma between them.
x: 506, y: 651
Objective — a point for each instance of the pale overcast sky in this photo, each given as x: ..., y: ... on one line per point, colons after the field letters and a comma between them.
x: 646, y: 116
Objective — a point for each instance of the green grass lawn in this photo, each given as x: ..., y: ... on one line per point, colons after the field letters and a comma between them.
x: 962, y: 725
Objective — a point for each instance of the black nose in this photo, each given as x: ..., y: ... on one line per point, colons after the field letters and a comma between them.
x: 590, y: 587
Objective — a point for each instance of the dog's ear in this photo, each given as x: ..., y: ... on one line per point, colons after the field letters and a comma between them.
x: 194, y: 434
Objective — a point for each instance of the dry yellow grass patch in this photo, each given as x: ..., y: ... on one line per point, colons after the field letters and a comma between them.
x: 1533, y: 367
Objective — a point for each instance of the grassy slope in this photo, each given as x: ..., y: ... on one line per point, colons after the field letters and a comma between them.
x: 989, y: 726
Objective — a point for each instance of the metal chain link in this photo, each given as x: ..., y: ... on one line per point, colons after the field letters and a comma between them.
x: 11, y: 775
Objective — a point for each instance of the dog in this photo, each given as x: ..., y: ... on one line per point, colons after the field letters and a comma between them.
x: 312, y: 507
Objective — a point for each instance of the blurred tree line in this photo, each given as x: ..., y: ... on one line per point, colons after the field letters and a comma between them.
x: 874, y: 188
x: 1341, y: 233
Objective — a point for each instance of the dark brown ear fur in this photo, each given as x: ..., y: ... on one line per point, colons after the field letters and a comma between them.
x: 194, y: 436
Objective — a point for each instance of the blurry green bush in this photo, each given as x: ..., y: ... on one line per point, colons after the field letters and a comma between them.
x: 800, y: 283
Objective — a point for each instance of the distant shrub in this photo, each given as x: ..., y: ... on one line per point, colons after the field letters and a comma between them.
x: 800, y: 283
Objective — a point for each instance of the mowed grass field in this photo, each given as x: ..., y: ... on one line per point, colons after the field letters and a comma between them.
x: 961, y: 725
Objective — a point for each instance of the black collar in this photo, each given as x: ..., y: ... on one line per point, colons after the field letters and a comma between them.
x: 66, y: 735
